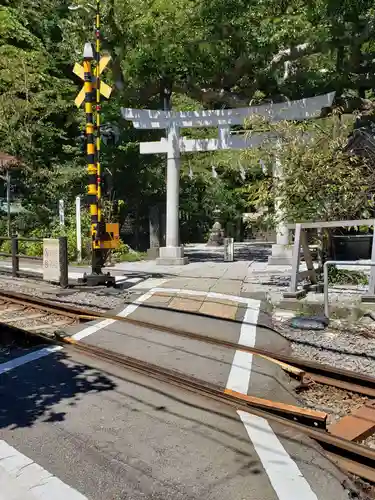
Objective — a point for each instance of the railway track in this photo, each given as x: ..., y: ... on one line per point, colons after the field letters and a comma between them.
x: 41, y: 317
x: 37, y: 316
x: 307, y: 371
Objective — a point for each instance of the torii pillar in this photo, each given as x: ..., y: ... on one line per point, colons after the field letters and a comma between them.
x: 174, y: 145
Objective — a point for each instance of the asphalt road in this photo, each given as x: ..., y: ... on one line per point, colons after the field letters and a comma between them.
x: 112, y: 434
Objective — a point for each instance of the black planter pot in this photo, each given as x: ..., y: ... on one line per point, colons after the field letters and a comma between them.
x: 352, y: 246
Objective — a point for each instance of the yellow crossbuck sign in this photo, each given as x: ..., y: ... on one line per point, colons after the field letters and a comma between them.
x: 105, y: 89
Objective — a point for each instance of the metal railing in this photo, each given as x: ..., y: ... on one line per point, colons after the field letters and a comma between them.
x: 15, y: 255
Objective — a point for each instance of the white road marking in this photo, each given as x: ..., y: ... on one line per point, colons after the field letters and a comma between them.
x: 27, y: 358
x: 89, y: 330
x: 284, y: 475
x: 31, y: 479
x: 251, y: 315
x: 240, y: 371
x: 239, y: 375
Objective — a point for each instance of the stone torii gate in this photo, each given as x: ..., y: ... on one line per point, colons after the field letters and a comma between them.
x: 173, y: 145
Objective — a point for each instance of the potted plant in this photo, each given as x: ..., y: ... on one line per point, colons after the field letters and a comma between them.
x: 354, y: 243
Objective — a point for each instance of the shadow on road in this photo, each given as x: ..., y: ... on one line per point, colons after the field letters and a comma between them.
x: 28, y: 394
x: 43, y: 390
x: 242, y: 252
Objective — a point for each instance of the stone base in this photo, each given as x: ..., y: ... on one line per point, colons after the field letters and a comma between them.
x: 171, y: 256
x: 368, y: 298
x: 299, y: 294
x: 214, y: 243
x: 281, y: 256
x: 153, y: 253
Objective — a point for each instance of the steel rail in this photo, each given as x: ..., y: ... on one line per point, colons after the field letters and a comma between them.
x: 317, y: 419
x: 346, y: 454
x: 49, y: 305
x: 318, y: 372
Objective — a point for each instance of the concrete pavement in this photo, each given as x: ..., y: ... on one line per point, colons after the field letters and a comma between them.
x: 249, y: 275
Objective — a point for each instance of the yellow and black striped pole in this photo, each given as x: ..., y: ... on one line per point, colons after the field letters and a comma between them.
x: 103, y: 236
x: 98, y: 116
x: 91, y: 154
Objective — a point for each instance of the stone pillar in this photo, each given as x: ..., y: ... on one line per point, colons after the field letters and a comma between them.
x: 163, y: 225
x: 282, y: 251
x: 173, y: 253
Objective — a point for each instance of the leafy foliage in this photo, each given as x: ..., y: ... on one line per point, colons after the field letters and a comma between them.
x: 319, y: 180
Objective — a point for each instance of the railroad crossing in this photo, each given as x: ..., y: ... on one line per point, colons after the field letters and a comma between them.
x: 123, y: 400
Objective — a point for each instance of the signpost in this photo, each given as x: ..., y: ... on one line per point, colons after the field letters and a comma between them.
x: 61, y: 213
x: 228, y: 249
x: 51, y: 260
x: 55, y: 260
x: 223, y: 119
x: 78, y: 229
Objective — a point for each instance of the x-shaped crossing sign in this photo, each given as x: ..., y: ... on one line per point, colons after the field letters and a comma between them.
x: 105, y: 89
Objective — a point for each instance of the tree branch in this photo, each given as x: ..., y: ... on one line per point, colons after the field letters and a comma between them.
x: 293, y: 53
x: 211, y: 96
x: 308, y: 48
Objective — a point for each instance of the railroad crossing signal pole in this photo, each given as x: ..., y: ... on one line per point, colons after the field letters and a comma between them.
x: 92, y: 194
x: 100, y: 229
x: 103, y: 236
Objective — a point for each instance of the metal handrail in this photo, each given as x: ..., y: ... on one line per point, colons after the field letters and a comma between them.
x: 15, y: 255
x: 360, y: 263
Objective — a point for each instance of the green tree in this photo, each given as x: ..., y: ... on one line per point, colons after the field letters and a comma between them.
x: 319, y: 181
x: 38, y: 123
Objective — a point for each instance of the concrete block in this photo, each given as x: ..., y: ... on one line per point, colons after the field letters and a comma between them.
x: 281, y: 256
x: 236, y: 270
x: 230, y: 287
x: 299, y: 294
x: 159, y: 299
x: 171, y: 256
x: 203, y: 285
x: 177, y: 283
x: 219, y: 310
x: 225, y: 302
x: 184, y: 304
x: 172, y: 262
x: 153, y: 253
x: 255, y: 294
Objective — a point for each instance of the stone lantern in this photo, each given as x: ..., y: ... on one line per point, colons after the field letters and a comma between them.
x: 216, y: 237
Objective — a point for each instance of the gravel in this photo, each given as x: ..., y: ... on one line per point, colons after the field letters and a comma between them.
x: 341, y: 345
x: 102, y: 299
x: 335, y: 402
